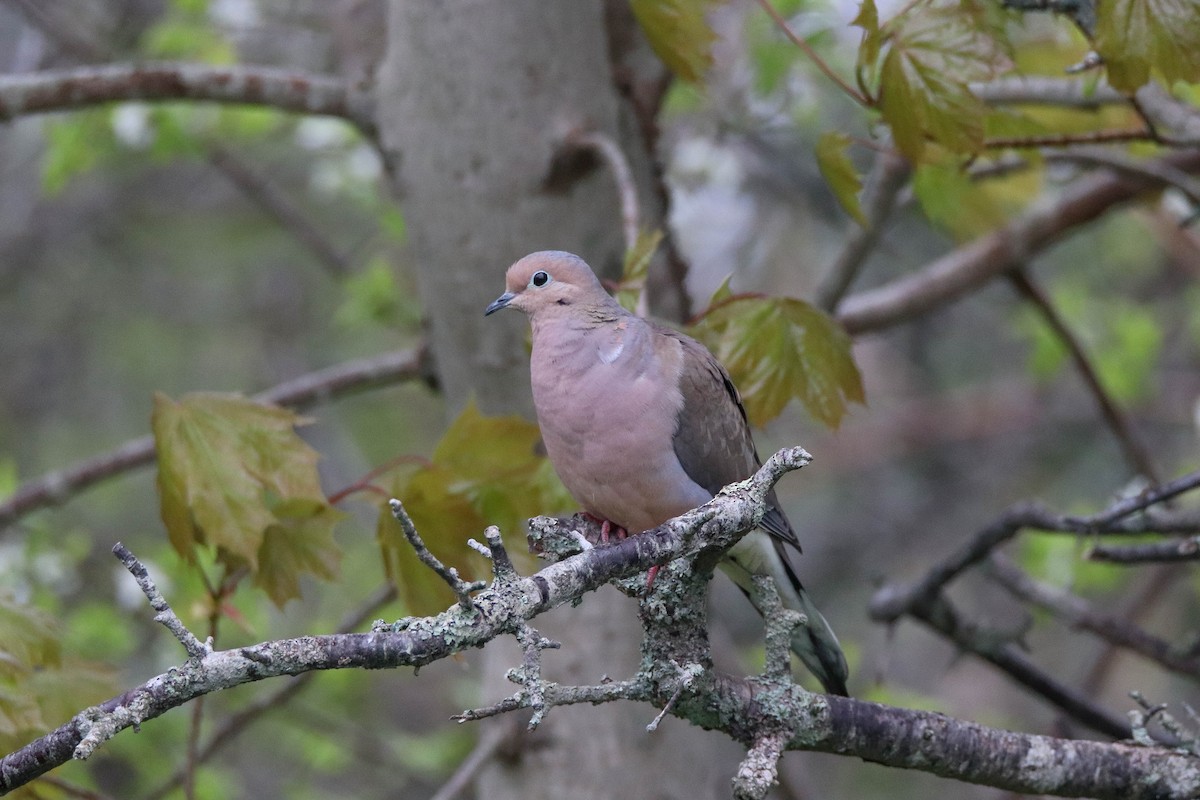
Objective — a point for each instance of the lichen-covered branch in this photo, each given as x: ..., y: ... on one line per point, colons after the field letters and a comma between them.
x: 166, y: 616
x: 286, y: 90
x: 674, y: 672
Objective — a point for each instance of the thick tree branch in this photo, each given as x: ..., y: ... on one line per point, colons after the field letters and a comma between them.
x: 56, y: 488
x: 740, y: 707
x: 969, y: 267
x: 286, y: 90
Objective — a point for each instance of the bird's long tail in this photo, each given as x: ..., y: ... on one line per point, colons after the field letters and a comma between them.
x: 815, y: 643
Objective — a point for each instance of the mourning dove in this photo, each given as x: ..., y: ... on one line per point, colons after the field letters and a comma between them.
x: 642, y: 423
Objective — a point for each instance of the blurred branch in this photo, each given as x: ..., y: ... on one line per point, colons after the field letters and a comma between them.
x: 286, y: 90
x: 999, y: 650
x: 1038, y: 90
x: 924, y: 599
x: 893, y: 601
x: 1135, y: 452
x: 1078, y: 613
x: 489, y: 743
x: 618, y: 165
x: 744, y: 708
x: 279, y: 207
x: 59, y: 25
x: 826, y: 70
x: 1120, y: 162
x: 887, y: 179
x: 973, y: 265
x: 1176, y: 550
x: 57, y: 487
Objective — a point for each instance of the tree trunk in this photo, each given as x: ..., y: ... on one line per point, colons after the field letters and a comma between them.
x: 474, y: 100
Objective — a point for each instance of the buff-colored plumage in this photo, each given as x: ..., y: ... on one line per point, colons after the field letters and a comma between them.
x: 642, y: 424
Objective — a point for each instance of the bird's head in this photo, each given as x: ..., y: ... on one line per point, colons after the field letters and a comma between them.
x: 550, y: 280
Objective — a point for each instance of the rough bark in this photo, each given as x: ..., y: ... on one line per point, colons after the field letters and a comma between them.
x: 475, y: 101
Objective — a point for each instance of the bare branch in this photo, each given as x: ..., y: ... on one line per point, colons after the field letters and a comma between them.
x: 1039, y: 90
x: 1177, y: 550
x: 1078, y: 613
x: 1001, y: 651
x: 887, y: 178
x: 1111, y: 159
x: 1135, y: 452
x: 286, y: 90
x: 57, y: 487
x: 610, y: 153
x: 969, y: 267
x: 280, y: 208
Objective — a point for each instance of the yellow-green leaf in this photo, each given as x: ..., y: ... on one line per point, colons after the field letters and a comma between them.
x: 872, y: 41
x: 1136, y: 37
x: 679, y: 33
x: 29, y: 639
x: 445, y: 519
x: 778, y: 349
x: 637, y: 267
x: 229, y: 471
x: 300, y: 543
x: 485, y: 471
x: 968, y: 208
x: 839, y: 173
x: 935, y: 51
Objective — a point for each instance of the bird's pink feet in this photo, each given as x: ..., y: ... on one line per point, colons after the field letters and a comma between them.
x: 608, y: 529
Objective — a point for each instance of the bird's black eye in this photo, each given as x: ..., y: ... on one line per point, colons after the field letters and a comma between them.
x: 540, y: 278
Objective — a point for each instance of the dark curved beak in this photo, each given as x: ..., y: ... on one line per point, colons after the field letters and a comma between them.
x: 500, y: 302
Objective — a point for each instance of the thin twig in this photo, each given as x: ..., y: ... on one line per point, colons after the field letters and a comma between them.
x: 1114, y: 160
x: 850, y: 91
x: 279, y: 207
x: 57, y: 487
x: 879, y: 198
x: 1071, y: 139
x: 164, y: 614
x: 1135, y: 452
x: 1158, y: 494
x: 1169, y: 551
x: 489, y: 742
x: 998, y: 650
x: 462, y: 589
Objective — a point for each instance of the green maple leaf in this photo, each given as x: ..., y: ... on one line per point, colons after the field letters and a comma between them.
x: 778, y: 349
x: 233, y: 475
x: 1138, y: 37
x: 679, y: 32
x: 935, y: 50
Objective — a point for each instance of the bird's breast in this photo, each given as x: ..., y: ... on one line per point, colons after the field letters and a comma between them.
x: 608, y: 405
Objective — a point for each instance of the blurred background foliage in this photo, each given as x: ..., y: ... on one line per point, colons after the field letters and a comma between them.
x: 140, y: 252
